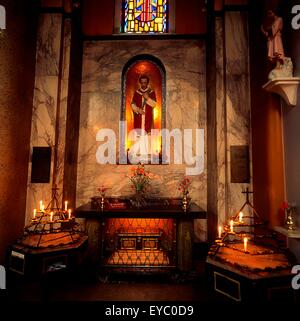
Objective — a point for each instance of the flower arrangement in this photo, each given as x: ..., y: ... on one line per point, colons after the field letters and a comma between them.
x: 184, y: 185
x: 140, y: 177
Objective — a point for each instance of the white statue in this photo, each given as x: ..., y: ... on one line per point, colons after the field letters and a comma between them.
x: 2, y: 18
x: 284, y: 70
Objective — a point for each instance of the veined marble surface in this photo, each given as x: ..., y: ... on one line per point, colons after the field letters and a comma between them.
x: 48, y: 45
x: 237, y: 97
x: 103, y: 62
x: 44, y: 116
x: 232, y: 107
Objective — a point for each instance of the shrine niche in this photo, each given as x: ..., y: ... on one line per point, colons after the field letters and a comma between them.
x: 143, y: 105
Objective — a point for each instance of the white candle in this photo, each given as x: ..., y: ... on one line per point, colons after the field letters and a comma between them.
x: 41, y: 205
x: 34, y: 213
x: 231, y: 226
x: 245, y: 243
x: 66, y: 205
x: 51, y: 216
x: 69, y: 214
x: 241, y: 217
x: 220, y: 231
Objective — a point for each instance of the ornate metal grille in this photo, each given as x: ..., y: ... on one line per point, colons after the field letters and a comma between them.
x: 139, y: 243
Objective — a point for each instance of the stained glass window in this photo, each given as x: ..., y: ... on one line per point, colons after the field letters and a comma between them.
x: 145, y: 16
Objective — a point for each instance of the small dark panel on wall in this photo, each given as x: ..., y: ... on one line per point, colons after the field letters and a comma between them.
x: 41, y: 163
x: 239, y: 164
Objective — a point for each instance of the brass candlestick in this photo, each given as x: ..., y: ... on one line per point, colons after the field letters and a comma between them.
x: 102, y: 203
x: 289, y: 219
x: 184, y: 202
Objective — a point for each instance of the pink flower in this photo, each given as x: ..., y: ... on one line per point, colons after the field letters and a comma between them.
x: 184, y: 185
x: 139, y: 177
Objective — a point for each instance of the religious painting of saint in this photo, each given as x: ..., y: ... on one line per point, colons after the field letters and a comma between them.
x: 143, y: 103
x: 143, y: 97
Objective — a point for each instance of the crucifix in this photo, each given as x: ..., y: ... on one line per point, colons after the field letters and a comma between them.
x: 247, y: 192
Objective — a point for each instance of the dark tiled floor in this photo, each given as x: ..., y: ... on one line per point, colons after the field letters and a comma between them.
x: 82, y: 286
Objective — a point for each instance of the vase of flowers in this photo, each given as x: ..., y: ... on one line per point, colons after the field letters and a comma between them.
x: 140, y: 179
x: 184, y: 189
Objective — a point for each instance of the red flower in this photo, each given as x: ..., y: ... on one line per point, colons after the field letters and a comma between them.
x: 285, y: 205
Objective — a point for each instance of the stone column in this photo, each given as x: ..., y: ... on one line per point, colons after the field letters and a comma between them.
x: 221, y: 142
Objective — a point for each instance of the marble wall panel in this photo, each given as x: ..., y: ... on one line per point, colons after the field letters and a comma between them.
x: 48, y: 45
x: 46, y: 93
x: 103, y: 62
x: 237, y: 97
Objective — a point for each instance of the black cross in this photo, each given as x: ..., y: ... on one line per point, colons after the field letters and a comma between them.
x: 247, y: 192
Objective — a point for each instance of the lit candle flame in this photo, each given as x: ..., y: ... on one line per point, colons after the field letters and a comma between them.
x: 41, y: 205
x: 245, y: 243
x: 66, y: 205
x: 220, y: 231
x: 69, y: 214
x: 231, y: 226
x: 241, y: 217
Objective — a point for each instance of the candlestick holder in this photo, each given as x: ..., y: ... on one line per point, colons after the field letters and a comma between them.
x: 289, y: 219
x: 185, y: 202
x: 247, y: 224
x: 51, y: 226
x: 102, y: 203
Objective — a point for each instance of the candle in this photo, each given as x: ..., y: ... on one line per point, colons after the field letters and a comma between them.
x: 241, y: 217
x: 66, y: 205
x: 34, y: 213
x: 220, y: 231
x: 41, y: 205
x: 69, y: 214
x: 231, y: 226
x: 245, y: 243
x: 51, y: 216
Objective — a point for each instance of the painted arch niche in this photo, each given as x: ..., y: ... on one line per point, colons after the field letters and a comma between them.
x: 143, y: 103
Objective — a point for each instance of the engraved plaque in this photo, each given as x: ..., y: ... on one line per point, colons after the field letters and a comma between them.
x: 239, y: 164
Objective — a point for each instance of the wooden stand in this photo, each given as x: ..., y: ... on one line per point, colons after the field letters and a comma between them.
x: 244, y: 285
x: 40, y: 261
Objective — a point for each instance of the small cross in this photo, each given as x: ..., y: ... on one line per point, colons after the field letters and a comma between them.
x: 247, y: 192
